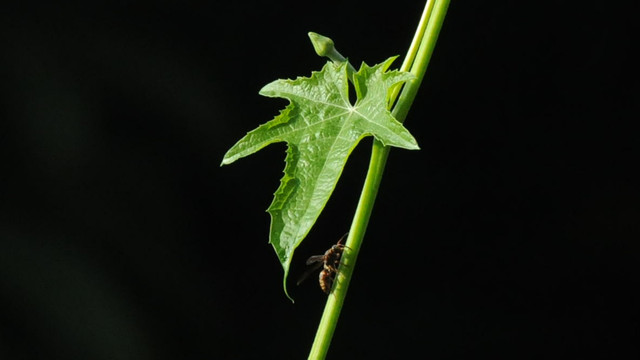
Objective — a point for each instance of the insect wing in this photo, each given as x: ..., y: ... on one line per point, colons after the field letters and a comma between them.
x: 316, y: 265
x: 315, y: 259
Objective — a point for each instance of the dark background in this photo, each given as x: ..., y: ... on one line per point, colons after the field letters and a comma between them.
x: 512, y: 233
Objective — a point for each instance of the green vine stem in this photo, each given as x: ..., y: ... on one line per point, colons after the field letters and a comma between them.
x: 415, y: 62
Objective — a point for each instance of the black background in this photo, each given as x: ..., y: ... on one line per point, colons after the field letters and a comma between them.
x: 512, y: 233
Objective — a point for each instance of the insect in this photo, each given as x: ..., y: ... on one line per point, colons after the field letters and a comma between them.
x: 329, y: 262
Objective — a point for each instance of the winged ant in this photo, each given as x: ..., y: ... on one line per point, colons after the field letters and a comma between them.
x: 329, y: 261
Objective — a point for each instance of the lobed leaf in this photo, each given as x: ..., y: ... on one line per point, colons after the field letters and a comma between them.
x: 321, y: 128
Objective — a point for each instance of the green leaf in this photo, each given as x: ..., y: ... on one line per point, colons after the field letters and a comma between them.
x: 321, y: 128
